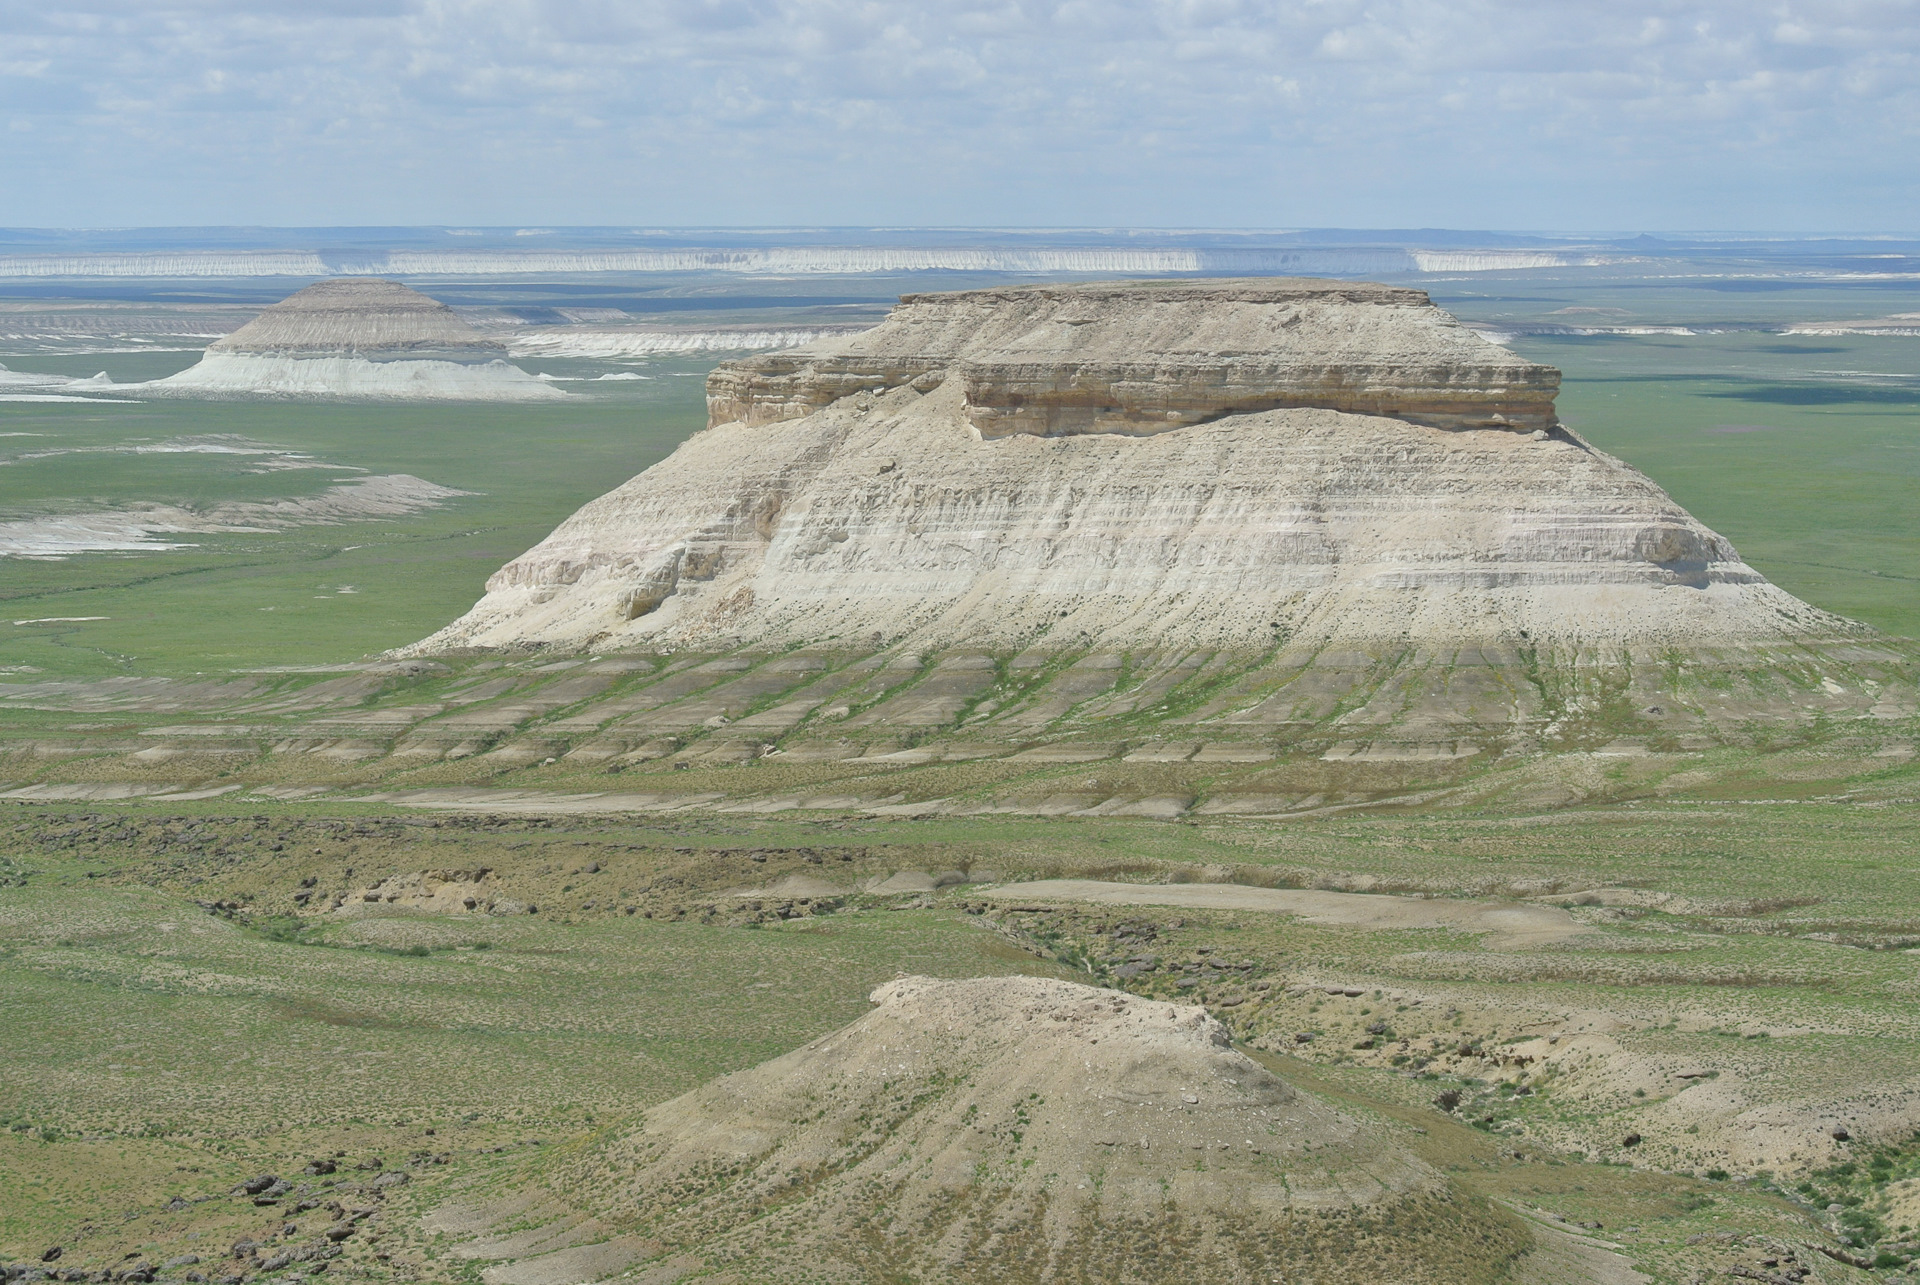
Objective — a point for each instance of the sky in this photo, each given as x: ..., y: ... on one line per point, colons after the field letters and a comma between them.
x: 1618, y: 115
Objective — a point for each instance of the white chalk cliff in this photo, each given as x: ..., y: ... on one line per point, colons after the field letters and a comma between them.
x: 357, y: 339
x: 793, y: 260
x: 1158, y: 465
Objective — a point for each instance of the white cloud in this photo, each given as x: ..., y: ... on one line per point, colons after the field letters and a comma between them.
x: 1626, y: 113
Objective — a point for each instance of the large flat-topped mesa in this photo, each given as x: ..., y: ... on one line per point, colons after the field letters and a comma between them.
x: 976, y: 473
x: 1143, y: 357
x: 358, y: 338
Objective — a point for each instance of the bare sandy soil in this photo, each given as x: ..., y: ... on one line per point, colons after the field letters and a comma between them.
x: 133, y: 529
x: 1510, y: 923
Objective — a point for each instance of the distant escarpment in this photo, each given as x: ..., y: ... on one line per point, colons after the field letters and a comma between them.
x: 356, y: 339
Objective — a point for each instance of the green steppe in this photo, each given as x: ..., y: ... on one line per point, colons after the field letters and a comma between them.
x: 276, y: 595
x: 160, y: 1049
x: 1804, y: 451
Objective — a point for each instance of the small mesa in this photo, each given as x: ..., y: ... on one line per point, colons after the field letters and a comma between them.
x: 355, y: 339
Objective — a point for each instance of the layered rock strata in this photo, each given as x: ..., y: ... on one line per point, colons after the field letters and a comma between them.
x: 889, y: 516
x: 1030, y: 1130
x: 1148, y: 357
x: 355, y: 338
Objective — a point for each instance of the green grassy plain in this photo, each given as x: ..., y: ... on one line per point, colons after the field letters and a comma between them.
x: 1804, y: 451
x: 242, y: 600
x: 155, y: 1051
x: 163, y: 1051
x: 159, y: 1051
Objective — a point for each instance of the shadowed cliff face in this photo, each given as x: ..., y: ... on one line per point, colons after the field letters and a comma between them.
x: 1147, y: 357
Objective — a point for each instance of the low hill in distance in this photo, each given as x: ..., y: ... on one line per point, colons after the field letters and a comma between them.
x: 355, y: 339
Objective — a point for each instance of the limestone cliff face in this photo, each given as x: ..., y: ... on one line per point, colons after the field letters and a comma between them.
x: 1146, y: 357
x: 889, y: 515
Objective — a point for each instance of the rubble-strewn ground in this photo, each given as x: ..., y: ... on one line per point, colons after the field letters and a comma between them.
x: 198, y: 995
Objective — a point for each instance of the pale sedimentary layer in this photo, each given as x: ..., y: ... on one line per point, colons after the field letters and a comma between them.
x: 1507, y: 923
x: 368, y: 317
x: 359, y: 340
x: 271, y: 375
x: 888, y: 519
x: 1148, y: 357
x: 1027, y: 1129
x: 27, y: 380
x: 1899, y: 325
x: 133, y: 529
x: 790, y: 260
x: 28, y: 386
x: 604, y: 342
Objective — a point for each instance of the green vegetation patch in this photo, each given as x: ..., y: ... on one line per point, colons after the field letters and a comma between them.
x: 311, y: 594
x: 1804, y: 455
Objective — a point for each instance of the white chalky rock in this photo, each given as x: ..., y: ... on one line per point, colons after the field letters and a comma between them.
x: 1148, y: 465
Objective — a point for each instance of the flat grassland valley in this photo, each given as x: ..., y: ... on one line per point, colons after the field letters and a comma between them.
x: 321, y: 959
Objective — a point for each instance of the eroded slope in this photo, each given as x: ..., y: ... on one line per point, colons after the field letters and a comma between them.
x: 1025, y: 1129
x: 1316, y: 466
x: 888, y: 519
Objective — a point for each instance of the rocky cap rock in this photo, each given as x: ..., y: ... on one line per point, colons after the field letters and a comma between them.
x: 1144, y: 357
x: 963, y: 477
